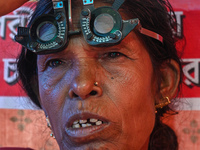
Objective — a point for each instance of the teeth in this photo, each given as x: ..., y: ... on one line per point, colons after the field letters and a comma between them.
x: 76, y: 126
x: 75, y: 122
x: 93, y: 120
x: 86, y: 123
x: 98, y: 123
x: 82, y: 121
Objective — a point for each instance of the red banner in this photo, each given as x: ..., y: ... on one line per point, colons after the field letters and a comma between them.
x: 17, y: 127
x: 10, y: 49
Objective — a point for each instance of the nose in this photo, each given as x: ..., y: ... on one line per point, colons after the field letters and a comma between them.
x: 84, y: 83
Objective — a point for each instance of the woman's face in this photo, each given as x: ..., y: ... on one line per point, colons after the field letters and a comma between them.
x: 118, y: 113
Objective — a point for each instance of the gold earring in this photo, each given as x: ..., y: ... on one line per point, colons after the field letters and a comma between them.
x: 164, y: 102
x: 49, y: 126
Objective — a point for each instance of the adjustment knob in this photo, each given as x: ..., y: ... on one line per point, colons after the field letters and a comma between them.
x: 85, y: 12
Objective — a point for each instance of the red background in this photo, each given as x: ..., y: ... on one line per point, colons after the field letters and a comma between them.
x: 23, y: 128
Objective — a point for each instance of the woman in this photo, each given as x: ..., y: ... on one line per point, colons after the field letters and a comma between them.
x: 108, y: 96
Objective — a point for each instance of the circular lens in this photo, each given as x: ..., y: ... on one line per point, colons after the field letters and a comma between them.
x: 103, y: 23
x: 46, y: 31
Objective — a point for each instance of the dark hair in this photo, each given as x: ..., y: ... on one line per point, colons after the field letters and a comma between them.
x: 155, y: 15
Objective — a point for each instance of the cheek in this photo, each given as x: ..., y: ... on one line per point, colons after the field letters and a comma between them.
x: 135, y: 102
x: 52, y: 100
x: 52, y: 91
x: 138, y: 118
x: 53, y: 83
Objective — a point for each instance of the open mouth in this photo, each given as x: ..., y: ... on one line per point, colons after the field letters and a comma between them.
x: 87, y: 123
x: 84, y: 125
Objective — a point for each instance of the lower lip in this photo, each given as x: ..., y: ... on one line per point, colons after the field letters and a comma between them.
x: 85, y: 132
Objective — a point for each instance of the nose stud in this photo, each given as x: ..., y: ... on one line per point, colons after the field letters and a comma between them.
x: 96, y: 83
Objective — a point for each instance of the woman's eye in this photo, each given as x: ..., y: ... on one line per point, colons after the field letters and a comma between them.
x: 54, y: 63
x: 113, y: 55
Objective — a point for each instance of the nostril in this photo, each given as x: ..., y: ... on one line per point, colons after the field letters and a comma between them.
x: 93, y: 93
x: 75, y: 95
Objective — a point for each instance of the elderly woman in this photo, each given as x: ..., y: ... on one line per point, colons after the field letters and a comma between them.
x: 104, y: 72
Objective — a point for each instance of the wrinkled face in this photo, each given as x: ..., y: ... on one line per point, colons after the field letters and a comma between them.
x: 118, y: 113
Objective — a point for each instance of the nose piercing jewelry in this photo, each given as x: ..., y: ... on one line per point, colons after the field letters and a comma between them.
x: 96, y: 83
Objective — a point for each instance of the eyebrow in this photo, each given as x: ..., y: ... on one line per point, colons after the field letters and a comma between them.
x: 117, y: 47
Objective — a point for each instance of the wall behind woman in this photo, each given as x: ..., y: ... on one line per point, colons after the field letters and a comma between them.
x: 22, y: 126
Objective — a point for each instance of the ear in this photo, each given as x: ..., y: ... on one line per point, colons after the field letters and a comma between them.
x: 170, y: 77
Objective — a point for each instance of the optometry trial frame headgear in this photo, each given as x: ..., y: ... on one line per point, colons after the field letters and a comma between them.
x: 101, y: 26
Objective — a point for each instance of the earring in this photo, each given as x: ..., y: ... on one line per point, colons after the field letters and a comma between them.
x: 164, y: 102
x: 49, y: 126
